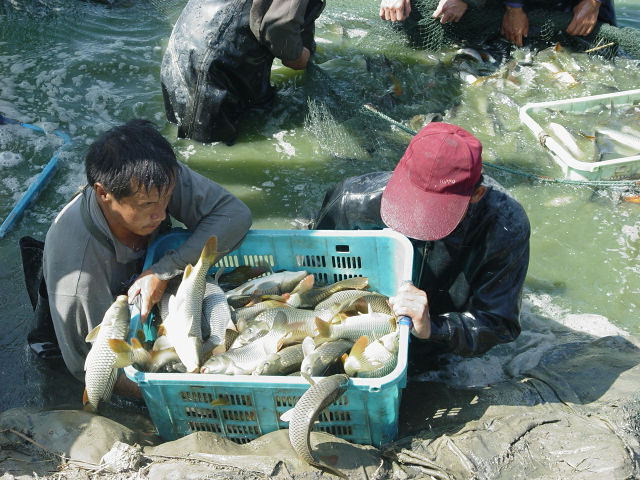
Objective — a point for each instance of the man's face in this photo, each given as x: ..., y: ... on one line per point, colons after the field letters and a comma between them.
x: 140, y: 213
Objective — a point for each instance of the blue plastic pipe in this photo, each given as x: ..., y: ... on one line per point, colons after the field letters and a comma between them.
x: 39, y: 183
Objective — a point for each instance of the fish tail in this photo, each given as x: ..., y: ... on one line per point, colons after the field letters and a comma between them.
x: 210, y: 254
x: 328, y: 462
x: 85, y: 401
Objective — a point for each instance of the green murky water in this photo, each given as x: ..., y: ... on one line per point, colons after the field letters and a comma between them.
x: 83, y: 67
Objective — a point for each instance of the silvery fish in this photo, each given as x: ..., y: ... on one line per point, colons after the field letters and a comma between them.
x: 183, y: 325
x: 275, y: 284
x: 100, y: 376
x: 626, y: 139
x: 245, y: 359
x: 308, y: 408
x: 375, y: 359
x: 311, y: 297
x: 373, y: 325
x: 319, y: 360
x: 375, y: 301
x: 283, y: 362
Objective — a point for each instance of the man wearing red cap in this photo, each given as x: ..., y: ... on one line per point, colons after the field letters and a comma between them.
x: 470, y: 239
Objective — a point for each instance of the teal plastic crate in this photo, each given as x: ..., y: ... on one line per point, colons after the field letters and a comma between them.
x: 573, y: 169
x: 367, y: 413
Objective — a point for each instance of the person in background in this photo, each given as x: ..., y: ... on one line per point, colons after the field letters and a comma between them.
x: 515, y: 24
x: 96, y: 245
x: 470, y: 240
x: 217, y: 65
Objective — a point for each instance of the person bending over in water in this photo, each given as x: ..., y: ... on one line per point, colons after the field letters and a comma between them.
x: 217, y: 65
x: 97, y: 243
x: 470, y: 239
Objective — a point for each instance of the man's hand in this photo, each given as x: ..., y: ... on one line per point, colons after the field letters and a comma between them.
x: 412, y: 302
x: 450, y: 10
x: 300, y: 63
x: 395, y: 10
x: 515, y: 25
x: 150, y: 289
x: 585, y: 16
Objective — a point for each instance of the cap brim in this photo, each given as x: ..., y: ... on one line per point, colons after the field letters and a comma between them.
x: 419, y: 214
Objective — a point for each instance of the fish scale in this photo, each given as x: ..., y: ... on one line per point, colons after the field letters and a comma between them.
x: 215, y: 312
x: 100, y: 374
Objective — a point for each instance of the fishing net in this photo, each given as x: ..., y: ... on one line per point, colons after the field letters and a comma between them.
x: 478, y: 25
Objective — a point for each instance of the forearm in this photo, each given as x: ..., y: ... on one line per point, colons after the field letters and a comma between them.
x: 276, y: 24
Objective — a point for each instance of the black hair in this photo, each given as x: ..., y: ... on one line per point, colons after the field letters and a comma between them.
x: 131, y: 157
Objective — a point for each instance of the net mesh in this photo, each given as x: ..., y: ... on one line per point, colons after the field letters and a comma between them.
x: 478, y: 25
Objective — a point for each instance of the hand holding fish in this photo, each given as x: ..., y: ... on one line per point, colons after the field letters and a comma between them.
x: 450, y: 10
x: 585, y: 16
x: 412, y: 302
x: 150, y: 288
x: 515, y: 25
x: 395, y: 10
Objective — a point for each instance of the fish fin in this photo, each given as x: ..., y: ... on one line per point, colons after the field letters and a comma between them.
x: 85, y: 397
x: 93, y: 334
x: 162, y: 331
x: 210, y: 254
x: 218, y: 274
x: 324, y: 329
x: 162, y: 343
x: 279, y: 321
x: 308, y: 378
x: 287, y: 416
x: 219, y: 349
x: 123, y: 349
x: 135, y: 342
x: 359, y: 346
x: 344, y: 358
x: 327, y: 414
x: 242, y: 325
x: 140, y: 336
x: 264, y: 263
x: 221, y: 402
x: 187, y: 272
x: 308, y: 346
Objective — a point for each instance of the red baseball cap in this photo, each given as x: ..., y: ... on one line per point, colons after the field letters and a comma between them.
x: 429, y: 191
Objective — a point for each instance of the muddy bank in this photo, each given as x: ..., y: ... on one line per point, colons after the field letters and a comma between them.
x: 574, y: 416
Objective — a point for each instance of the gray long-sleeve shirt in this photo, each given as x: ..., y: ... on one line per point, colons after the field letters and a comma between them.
x: 83, y: 277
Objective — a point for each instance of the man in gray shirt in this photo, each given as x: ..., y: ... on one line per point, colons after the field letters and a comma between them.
x: 98, y: 241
